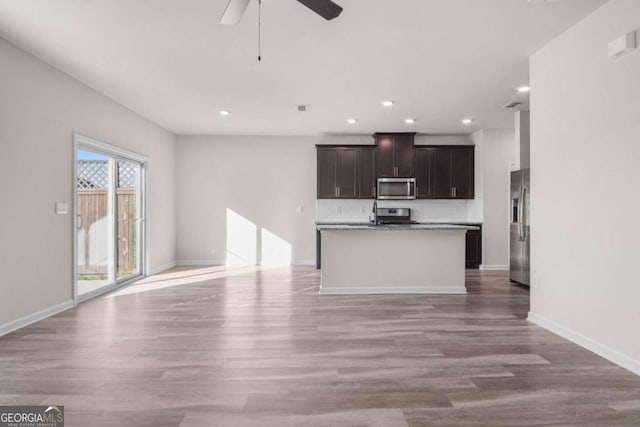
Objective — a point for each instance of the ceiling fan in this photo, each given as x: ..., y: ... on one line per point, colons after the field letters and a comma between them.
x: 235, y: 9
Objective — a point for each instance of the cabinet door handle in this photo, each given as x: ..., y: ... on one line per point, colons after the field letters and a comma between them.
x: 373, y: 191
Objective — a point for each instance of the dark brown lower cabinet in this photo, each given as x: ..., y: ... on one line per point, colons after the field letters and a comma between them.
x: 473, y: 257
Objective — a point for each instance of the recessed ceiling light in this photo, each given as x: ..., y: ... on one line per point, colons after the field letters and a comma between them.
x: 225, y: 113
x: 387, y: 103
x: 409, y: 121
x: 352, y: 121
x: 523, y: 89
x: 466, y: 121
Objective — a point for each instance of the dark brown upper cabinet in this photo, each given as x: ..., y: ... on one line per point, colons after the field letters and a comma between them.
x: 327, y: 159
x: 453, y: 172
x: 351, y: 171
x: 423, y: 172
x: 366, y: 172
x: 395, y: 154
x: 346, y: 172
x: 462, y: 173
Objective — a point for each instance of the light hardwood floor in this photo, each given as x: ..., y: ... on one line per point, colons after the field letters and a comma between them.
x: 206, y: 347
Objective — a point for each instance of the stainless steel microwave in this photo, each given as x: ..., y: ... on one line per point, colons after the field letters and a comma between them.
x: 396, y: 188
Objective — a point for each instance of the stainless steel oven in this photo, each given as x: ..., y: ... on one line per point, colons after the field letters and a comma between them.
x: 396, y: 188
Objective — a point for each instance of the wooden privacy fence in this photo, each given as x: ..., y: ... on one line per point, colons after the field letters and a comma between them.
x: 94, y: 255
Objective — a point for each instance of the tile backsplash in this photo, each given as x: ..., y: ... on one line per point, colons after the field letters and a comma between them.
x: 353, y: 210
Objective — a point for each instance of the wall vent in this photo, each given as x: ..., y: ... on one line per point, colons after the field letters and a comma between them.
x: 512, y: 105
x: 303, y: 108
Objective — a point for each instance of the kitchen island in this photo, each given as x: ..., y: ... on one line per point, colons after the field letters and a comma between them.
x: 393, y: 259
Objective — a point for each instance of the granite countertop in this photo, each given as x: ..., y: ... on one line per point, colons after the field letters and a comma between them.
x: 419, y: 222
x: 394, y: 227
x: 342, y: 222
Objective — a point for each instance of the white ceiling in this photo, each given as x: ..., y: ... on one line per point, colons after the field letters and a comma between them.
x: 170, y: 61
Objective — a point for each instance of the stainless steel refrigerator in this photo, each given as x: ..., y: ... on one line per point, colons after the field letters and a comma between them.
x: 520, y: 233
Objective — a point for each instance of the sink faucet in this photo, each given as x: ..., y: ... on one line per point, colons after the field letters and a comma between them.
x: 375, y: 212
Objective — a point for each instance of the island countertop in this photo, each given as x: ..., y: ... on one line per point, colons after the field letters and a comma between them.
x: 392, y: 227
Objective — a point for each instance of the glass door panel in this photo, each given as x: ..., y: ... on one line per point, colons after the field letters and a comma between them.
x: 95, y: 225
x: 129, y: 220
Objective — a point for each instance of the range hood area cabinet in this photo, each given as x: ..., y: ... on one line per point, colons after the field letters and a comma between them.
x: 395, y: 154
x: 346, y: 172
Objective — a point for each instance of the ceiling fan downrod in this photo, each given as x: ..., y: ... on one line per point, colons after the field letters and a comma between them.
x: 259, y: 29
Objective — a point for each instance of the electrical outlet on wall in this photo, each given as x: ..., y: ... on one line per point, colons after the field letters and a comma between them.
x: 362, y: 209
x: 338, y: 209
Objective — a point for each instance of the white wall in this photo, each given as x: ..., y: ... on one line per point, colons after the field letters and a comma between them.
x: 265, y: 178
x: 523, y: 140
x: 585, y: 156
x: 498, y: 156
x: 40, y: 109
x: 262, y: 178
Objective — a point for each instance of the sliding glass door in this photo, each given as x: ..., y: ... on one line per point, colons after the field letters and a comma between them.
x: 109, y: 208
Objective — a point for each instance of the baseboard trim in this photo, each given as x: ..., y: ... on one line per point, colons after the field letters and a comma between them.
x: 386, y: 291
x: 34, y: 317
x: 218, y: 262
x: 162, y: 268
x: 596, y: 347
x: 494, y: 267
x: 197, y: 262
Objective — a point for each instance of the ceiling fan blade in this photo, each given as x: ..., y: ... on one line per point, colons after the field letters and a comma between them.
x: 325, y: 8
x: 233, y: 12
